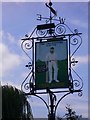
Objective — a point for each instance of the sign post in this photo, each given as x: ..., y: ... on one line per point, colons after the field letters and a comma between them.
x: 52, y: 61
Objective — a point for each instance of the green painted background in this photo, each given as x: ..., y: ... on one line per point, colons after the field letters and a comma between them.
x: 62, y: 76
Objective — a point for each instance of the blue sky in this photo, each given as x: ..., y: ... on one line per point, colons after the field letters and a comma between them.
x: 19, y: 18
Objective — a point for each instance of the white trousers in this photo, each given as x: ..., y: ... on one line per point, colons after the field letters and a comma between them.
x: 52, y: 65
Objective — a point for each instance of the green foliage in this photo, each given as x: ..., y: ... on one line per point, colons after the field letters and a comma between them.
x: 70, y: 115
x: 13, y: 102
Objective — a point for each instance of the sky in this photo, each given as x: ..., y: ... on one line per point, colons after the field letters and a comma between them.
x: 20, y: 18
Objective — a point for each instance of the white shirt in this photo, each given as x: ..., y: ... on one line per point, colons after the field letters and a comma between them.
x: 51, y: 57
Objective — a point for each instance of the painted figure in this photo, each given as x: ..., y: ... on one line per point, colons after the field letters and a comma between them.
x: 51, y: 64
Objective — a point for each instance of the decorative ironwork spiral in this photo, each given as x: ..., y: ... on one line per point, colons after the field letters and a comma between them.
x: 73, y: 62
x: 78, y: 84
x: 74, y: 40
x: 80, y: 93
x: 26, y: 46
x: 41, y: 33
x: 27, y: 86
x: 60, y: 29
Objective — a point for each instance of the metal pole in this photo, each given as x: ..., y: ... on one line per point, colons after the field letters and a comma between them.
x: 70, y: 75
x: 52, y: 96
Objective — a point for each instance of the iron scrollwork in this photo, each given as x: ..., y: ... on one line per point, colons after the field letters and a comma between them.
x: 28, y: 84
x: 25, y: 85
x: 26, y: 46
x: 78, y: 83
x: 75, y: 40
x: 60, y: 29
x: 41, y: 33
x: 74, y: 62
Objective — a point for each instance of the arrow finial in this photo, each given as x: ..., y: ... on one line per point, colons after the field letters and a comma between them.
x: 51, y: 9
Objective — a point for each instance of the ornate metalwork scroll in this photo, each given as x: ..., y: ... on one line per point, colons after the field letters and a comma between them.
x: 45, y: 32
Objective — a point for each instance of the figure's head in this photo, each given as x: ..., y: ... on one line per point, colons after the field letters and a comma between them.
x: 52, y: 50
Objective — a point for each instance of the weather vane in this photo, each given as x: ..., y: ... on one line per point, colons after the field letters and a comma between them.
x: 53, y: 14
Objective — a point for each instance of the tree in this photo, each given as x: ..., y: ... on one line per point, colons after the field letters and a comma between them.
x: 14, y: 104
x: 70, y: 115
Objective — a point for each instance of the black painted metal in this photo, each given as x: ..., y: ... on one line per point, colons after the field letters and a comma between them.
x: 45, y: 32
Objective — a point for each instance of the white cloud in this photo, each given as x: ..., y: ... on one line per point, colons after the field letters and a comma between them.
x: 82, y: 59
x: 78, y: 104
x: 8, y: 60
x: 10, y: 38
x: 0, y: 15
x: 11, y: 83
x: 79, y: 23
x: 6, y: 36
x: 1, y: 33
x: 24, y: 75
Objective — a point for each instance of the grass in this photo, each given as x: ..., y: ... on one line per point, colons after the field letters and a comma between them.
x: 62, y: 76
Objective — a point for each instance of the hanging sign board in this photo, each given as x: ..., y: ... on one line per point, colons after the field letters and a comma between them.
x: 51, y: 64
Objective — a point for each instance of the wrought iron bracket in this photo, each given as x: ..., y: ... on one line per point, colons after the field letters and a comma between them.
x: 28, y: 45
x: 47, y: 31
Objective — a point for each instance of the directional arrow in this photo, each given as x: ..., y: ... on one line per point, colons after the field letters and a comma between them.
x: 52, y: 10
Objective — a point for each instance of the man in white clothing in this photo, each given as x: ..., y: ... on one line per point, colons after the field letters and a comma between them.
x: 51, y: 64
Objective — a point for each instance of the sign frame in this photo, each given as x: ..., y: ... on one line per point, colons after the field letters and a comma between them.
x: 40, y: 71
